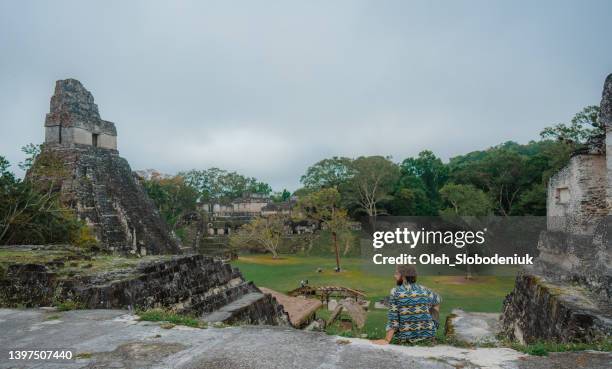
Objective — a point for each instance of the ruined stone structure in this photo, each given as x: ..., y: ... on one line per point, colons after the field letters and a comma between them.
x: 74, y: 119
x: 567, y: 295
x: 192, y: 284
x: 94, y: 180
x: 207, y: 230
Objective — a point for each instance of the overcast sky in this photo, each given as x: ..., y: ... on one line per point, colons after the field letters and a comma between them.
x: 267, y: 88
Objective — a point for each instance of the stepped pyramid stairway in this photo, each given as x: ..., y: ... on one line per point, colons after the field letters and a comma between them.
x: 194, y: 284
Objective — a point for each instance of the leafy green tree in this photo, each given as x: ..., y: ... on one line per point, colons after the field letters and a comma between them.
x: 172, y: 196
x: 430, y: 169
x: 501, y: 173
x: 464, y: 200
x: 422, y: 177
x: 31, y: 152
x: 584, y: 125
x: 514, y: 176
x: 333, y: 172
x: 31, y: 214
x: 372, y: 183
x: 410, y: 199
x: 217, y: 184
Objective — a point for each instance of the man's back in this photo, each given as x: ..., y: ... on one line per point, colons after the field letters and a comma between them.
x: 410, y: 312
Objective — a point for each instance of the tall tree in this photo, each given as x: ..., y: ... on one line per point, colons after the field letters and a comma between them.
x: 172, y: 196
x: 464, y: 200
x: 372, y: 183
x: 265, y: 232
x: 323, y: 207
x: 423, y: 177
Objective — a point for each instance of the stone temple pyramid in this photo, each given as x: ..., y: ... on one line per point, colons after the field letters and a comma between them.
x: 138, y: 264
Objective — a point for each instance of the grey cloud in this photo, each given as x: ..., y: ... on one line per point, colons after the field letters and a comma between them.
x: 268, y: 88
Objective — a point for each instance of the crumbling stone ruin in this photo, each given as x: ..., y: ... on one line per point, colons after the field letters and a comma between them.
x: 94, y: 180
x: 567, y: 295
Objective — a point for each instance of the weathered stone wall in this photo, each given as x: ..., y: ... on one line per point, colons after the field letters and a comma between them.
x: 539, y: 310
x: 73, y: 136
x: 605, y: 118
x: 577, y: 195
x: 576, y: 259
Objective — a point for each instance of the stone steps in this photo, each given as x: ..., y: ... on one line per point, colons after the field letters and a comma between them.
x: 228, y: 311
x: 207, y: 301
x: 251, y: 308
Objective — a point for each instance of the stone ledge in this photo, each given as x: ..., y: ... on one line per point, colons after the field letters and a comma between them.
x: 540, y: 309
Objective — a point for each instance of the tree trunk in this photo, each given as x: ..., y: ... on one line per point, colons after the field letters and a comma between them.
x: 335, y: 238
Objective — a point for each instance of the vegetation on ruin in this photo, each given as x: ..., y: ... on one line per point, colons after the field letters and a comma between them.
x: 68, y: 261
x: 542, y: 348
x: 167, y: 316
x: 30, y: 211
x: 68, y: 305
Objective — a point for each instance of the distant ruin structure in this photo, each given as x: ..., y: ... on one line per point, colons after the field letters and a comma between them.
x: 93, y: 179
x: 207, y: 230
x: 567, y: 295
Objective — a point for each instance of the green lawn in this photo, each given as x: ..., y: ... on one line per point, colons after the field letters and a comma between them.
x: 482, y: 294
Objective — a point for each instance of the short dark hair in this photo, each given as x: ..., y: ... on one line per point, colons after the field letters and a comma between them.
x: 408, y: 272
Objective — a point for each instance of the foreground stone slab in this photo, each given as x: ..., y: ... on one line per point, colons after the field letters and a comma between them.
x: 473, y: 328
x: 116, y: 339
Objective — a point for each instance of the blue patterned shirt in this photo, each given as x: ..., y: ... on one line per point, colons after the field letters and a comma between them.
x: 409, y: 312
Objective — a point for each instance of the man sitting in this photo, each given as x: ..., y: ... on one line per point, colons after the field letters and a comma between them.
x: 414, y: 310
